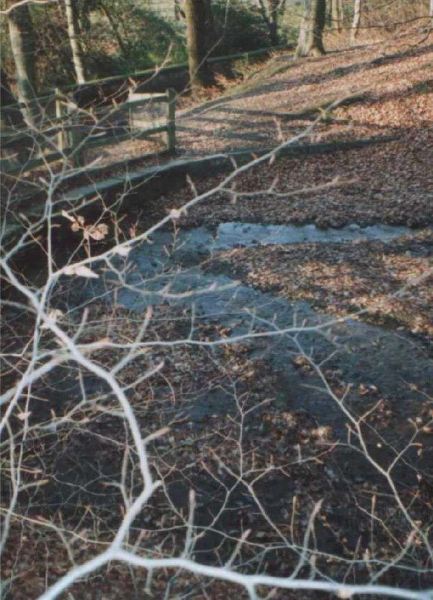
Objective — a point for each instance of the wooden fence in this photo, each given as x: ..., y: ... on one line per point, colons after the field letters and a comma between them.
x: 65, y: 131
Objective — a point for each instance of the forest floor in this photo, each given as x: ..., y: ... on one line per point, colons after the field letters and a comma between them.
x: 387, y: 88
x: 379, y: 90
x: 255, y: 408
x: 279, y: 100
x: 389, y: 183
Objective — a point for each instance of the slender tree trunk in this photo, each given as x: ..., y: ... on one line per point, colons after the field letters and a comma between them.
x: 273, y: 32
x: 83, y: 18
x: 10, y: 116
x: 6, y: 95
x: 212, y: 39
x: 310, y: 41
x: 303, y: 30
x: 265, y: 16
x: 178, y: 12
x: 318, y: 25
x: 114, y: 27
x: 336, y: 14
x: 274, y: 22
x: 74, y: 40
x: 22, y: 40
x: 271, y: 16
x: 197, y: 13
x: 357, y: 19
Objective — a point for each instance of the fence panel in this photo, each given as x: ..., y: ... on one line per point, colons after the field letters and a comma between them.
x: 72, y: 130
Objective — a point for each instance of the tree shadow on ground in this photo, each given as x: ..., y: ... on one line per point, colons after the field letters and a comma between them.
x: 327, y: 76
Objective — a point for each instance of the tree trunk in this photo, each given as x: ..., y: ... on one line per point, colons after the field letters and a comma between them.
x: 357, y: 19
x: 271, y: 16
x: 274, y: 22
x: 336, y: 14
x: 114, y: 27
x: 273, y: 32
x: 6, y: 95
x: 310, y: 41
x: 10, y: 116
x: 197, y: 14
x: 178, y: 12
x: 22, y: 40
x: 74, y: 40
x: 212, y: 39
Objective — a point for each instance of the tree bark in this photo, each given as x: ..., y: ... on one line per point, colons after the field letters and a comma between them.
x: 74, y: 40
x: 178, y: 12
x: 6, y: 95
x: 10, y: 116
x: 271, y: 15
x: 22, y: 40
x: 310, y: 41
x: 336, y: 14
x: 275, y: 6
x: 114, y: 27
x: 356, y: 19
x: 212, y: 39
x: 197, y: 14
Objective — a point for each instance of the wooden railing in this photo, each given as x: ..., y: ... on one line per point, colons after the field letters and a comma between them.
x: 64, y: 131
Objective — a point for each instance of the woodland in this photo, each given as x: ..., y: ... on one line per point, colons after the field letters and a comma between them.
x: 216, y: 255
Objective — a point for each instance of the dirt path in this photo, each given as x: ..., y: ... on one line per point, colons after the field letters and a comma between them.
x: 281, y: 100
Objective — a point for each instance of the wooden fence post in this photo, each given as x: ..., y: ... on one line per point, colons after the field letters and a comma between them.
x: 61, y: 141
x: 171, y: 120
x: 75, y: 137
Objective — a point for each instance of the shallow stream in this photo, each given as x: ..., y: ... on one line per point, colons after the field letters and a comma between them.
x: 173, y: 269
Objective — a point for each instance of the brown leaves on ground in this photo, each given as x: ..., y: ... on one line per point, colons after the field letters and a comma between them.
x: 392, y: 281
x: 291, y: 452
x: 391, y: 83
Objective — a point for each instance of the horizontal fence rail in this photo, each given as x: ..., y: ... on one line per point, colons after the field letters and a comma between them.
x: 61, y: 135
x: 64, y: 131
x: 149, y: 75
